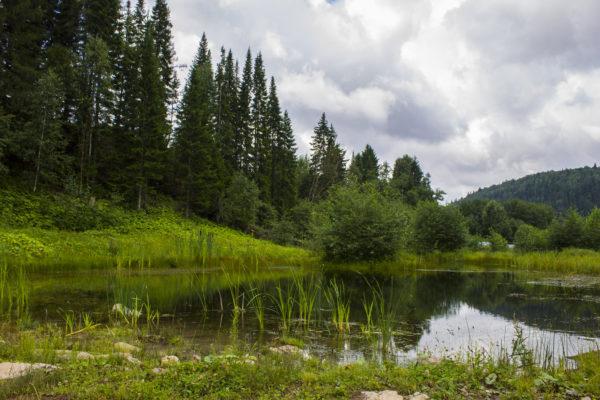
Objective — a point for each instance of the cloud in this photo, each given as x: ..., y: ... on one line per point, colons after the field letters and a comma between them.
x: 478, y: 91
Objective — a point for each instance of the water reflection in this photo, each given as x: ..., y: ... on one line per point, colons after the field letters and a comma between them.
x: 442, y: 312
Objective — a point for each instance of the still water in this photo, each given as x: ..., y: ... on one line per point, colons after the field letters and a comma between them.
x: 441, y: 312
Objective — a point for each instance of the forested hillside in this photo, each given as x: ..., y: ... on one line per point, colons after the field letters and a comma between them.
x: 91, y: 108
x: 570, y: 188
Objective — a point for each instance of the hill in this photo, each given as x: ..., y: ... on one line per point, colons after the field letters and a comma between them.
x: 578, y: 188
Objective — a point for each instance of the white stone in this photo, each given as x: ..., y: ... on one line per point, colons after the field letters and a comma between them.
x: 383, y: 395
x: 11, y: 370
x: 419, y: 396
x: 169, y: 360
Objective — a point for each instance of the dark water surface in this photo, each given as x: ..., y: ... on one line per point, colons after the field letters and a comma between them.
x: 444, y: 312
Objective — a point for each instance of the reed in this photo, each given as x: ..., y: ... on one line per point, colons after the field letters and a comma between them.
x: 284, y: 305
x: 340, y: 306
x: 307, y: 290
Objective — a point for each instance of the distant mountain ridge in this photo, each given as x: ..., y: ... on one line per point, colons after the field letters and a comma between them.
x: 578, y: 188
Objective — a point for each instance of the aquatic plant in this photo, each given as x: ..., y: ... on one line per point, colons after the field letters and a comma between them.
x: 307, y: 291
x: 340, y: 305
x: 284, y: 304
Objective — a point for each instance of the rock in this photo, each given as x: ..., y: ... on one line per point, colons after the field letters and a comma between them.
x: 169, y: 360
x: 196, y: 358
x: 128, y: 357
x: 586, y: 398
x: 572, y: 393
x: 66, y: 355
x: 384, y: 395
x: 126, y: 347
x: 11, y: 370
x: 158, y: 371
x: 83, y: 355
x: 419, y: 396
x: 285, y: 349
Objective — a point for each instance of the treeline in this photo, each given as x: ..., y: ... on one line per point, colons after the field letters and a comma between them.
x: 570, y: 188
x: 529, y: 226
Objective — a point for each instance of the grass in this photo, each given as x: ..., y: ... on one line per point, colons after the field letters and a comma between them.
x: 242, y: 373
x: 158, y: 239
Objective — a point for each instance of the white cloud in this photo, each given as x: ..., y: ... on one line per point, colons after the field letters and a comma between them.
x: 478, y: 91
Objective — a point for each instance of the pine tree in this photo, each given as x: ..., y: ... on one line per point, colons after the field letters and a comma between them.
x: 284, y: 178
x: 365, y: 166
x: 198, y: 164
x: 100, y: 20
x: 22, y: 35
x: 261, y: 135
x: 244, y: 118
x: 151, y: 134
x: 165, y: 50
x: 327, y: 162
x: 227, y: 99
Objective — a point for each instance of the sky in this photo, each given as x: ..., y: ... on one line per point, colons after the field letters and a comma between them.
x: 479, y: 91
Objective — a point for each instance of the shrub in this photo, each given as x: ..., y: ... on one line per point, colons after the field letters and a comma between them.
x: 240, y: 203
x: 530, y: 238
x: 592, y: 229
x: 21, y: 245
x: 357, y: 223
x: 438, y: 228
x: 497, y: 242
x: 567, y: 231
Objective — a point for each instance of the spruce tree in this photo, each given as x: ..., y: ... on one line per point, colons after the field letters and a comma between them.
x: 198, y: 165
x: 365, y: 166
x: 327, y: 163
x: 284, y: 179
x: 161, y: 19
x: 244, y: 133
x: 151, y: 134
x: 261, y: 134
x: 226, y: 108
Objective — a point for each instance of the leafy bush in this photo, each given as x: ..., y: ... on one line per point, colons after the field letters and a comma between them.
x: 530, y: 238
x: 239, y: 206
x: 497, y: 242
x: 438, y: 228
x: 592, y: 229
x: 567, y: 231
x: 358, y: 223
x: 21, y: 245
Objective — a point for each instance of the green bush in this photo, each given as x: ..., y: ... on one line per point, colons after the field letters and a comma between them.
x: 497, y: 242
x: 530, y: 238
x: 567, y: 231
x: 357, y: 223
x: 438, y: 228
x: 592, y: 229
x: 21, y: 245
x: 240, y: 203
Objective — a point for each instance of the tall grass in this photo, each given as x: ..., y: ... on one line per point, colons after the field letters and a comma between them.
x: 14, y: 291
x: 307, y: 290
x: 284, y: 305
x: 340, y: 305
x: 168, y: 241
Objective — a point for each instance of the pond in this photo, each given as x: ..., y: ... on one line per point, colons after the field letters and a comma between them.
x: 341, y: 315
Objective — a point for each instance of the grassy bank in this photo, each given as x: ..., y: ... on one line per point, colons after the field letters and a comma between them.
x: 47, y: 233
x: 242, y: 373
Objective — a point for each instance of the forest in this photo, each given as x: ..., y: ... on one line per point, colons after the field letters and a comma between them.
x: 577, y: 188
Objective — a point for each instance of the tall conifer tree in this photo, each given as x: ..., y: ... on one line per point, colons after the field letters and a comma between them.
x: 244, y: 117
x: 262, y: 138
x: 198, y: 163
